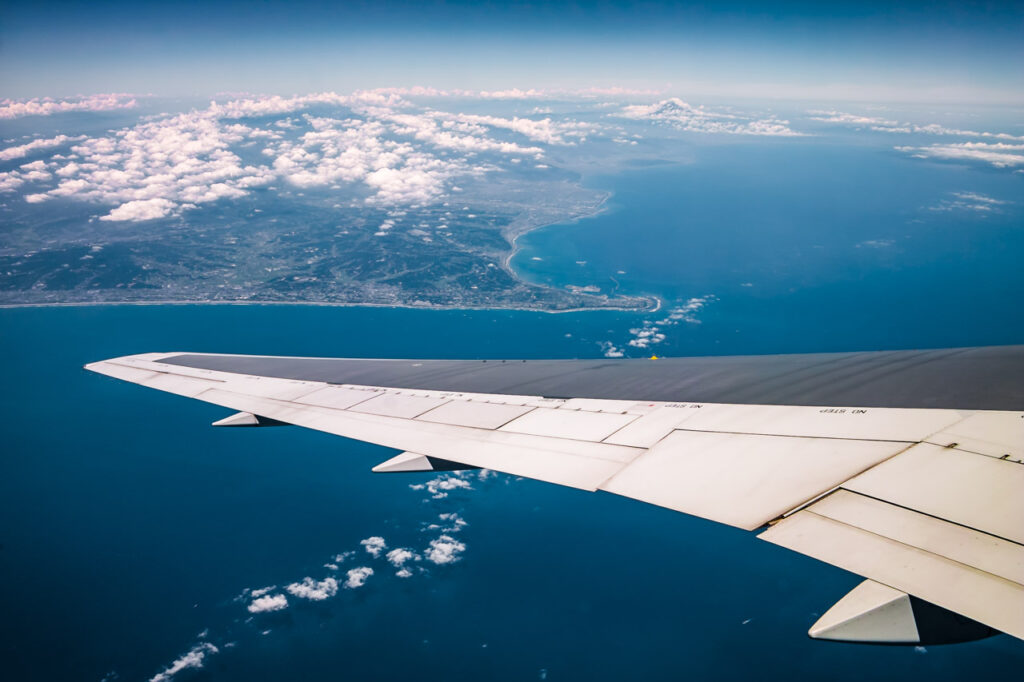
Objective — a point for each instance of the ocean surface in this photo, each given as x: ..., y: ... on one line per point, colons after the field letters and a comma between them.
x: 131, y: 530
x: 807, y: 245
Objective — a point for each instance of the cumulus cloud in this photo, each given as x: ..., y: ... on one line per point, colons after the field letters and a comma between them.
x: 444, y: 550
x: 313, y: 590
x: 159, y: 167
x: 400, y: 556
x: 651, y: 332
x: 374, y: 545
x: 446, y: 135
x: 699, y: 119
x: 998, y: 154
x: 193, y: 659
x: 686, y: 312
x: 354, y: 150
x: 276, y: 104
x: 10, y: 181
x: 610, y: 350
x: 23, y: 150
x: 452, y: 521
x: 46, y: 106
x: 356, y: 577
x: 169, y: 164
x: 268, y: 603
x: 142, y: 209
x: 646, y: 336
x: 539, y: 130
x: 438, y: 488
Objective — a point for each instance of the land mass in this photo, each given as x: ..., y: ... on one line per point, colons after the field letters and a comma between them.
x: 300, y: 247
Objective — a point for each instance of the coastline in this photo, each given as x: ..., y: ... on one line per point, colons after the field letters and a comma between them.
x: 514, y: 238
x: 329, y: 304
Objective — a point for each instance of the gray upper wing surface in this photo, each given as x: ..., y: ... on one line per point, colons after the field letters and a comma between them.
x: 984, y: 378
x: 904, y: 467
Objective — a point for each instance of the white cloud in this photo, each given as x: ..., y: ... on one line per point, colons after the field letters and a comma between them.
x: 452, y: 522
x: 398, y: 557
x: 404, y: 185
x: 610, y: 350
x: 519, y: 94
x: 999, y: 154
x: 171, y: 163
x: 142, y: 209
x: 425, y: 128
x: 353, y: 150
x: 539, y: 130
x: 356, y: 577
x: 444, y: 550
x: 887, y: 126
x: 275, y: 104
x: 374, y: 545
x: 646, y: 336
x: 969, y: 201
x: 511, y: 93
x: 980, y: 198
x: 699, y: 119
x: 313, y: 590
x: 268, y: 603
x: 404, y: 573
x: 652, y: 333
x: 259, y: 592
x: 10, y: 181
x: 23, y: 150
x: 193, y: 659
x: 438, y: 488
x: 686, y: 312
x: 46, y: 106
x: 849, y: 119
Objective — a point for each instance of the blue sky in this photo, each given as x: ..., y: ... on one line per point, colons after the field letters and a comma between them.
x: 806, y: 50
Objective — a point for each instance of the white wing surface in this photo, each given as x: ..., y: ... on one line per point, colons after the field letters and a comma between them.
x: 927, y: 504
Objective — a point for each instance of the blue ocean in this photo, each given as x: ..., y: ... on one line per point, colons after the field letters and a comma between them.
x: 134, y: 534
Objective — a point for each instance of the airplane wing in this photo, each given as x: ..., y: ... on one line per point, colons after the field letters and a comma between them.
x: 902, y: 467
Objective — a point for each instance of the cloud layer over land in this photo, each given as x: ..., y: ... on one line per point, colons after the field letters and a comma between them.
x: 378, y: 143
x: 48, y: 106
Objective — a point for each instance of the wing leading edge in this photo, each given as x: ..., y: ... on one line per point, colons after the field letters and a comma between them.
x: 923, y: 502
